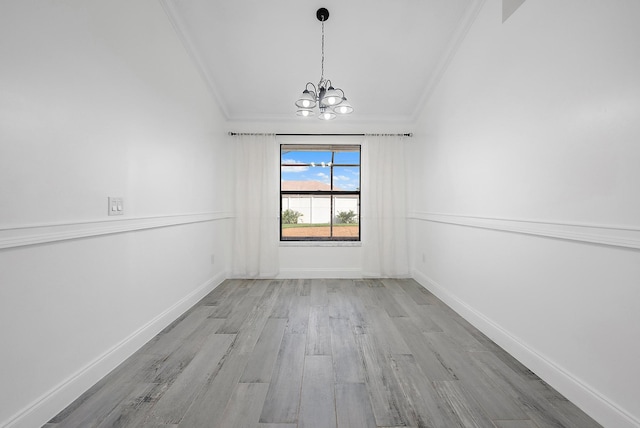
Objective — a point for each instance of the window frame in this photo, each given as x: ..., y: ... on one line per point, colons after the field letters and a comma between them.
x: 331, y: 194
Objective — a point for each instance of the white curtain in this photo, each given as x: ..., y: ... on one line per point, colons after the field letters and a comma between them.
x: 257, y: 206
x: 383, y: 207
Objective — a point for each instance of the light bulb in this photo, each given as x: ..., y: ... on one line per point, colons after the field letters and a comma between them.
x: 331, y: 100
x: 305, y: 112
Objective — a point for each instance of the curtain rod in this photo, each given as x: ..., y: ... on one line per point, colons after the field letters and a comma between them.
x: 407, y: 134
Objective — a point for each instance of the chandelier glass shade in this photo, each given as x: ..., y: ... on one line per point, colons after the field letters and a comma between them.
x: 330, y: 101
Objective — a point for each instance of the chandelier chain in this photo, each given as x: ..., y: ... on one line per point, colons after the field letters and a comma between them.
x: 322, y: 62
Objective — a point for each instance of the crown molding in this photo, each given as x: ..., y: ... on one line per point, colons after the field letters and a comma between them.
x: 179, y: 28
x: 466, y: 22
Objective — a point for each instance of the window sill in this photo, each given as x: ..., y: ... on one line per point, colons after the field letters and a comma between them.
x: 320, y: 243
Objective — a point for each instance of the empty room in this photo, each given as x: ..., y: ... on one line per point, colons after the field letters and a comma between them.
x: 320, y: 214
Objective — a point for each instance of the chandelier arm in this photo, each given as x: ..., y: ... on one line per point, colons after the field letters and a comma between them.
x: 314, y: 91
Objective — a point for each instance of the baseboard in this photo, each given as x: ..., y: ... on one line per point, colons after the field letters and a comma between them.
x: 292, y: 273
x: 581, y: 394
x: 52, y: 402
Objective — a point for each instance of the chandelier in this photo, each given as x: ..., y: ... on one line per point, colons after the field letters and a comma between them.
x: 330, y: 101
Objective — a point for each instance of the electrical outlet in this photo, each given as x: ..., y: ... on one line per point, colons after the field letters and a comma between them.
x: 116, y: 206
x: 424, y: 258
x: 213, y: 259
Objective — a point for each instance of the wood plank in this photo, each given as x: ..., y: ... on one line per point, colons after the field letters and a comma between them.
x: 170, y: 338
x: 515, y: 424
x: 98, y: 405
x: 448, y: 320
x: 357, y: 313
x: 127, y: 370
x: 244, y: 405
x: 240, y: 312
x: 319, y: 331
x: 339, y: 305
x: 226, y: 307
x: 365, y: 292
x: 533, y: 403
x: 218, y: 294
x: 252, y: 327
x: 353, y: 407
x: 257, y: 287
x: 263, y: 357
x: 318, y: 293
x: 283, y: 396
x: 380, y: 383
x: 298, y: 320
x: 388, y: 302
x: 387, y: 334
x: 334, y: 285
x: 393, y: 285
x: 171, y: 367
x: 572, y: 414
x: 347, y: 361
x: 281, y: 307
x: 462, y: 404
x: 208, y: 406
x: 175, y: 402
x: 433, y: 366
x: 420, y: 402
x: 317, y: 401
x: 303, y: 287
x: 261, y: 425
x: 496, y: 402
x: 131, y: 412
x: 160, y: 370
x: 418, y: 293
x: 418, y: 314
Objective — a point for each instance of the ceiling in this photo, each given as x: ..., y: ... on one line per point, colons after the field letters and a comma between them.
x: 257, y: 55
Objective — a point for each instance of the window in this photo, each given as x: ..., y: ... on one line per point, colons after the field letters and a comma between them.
x: 319, y: 192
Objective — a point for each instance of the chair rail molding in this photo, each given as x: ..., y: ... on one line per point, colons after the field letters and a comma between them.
x: 20, y: 236
x: 610, y: 235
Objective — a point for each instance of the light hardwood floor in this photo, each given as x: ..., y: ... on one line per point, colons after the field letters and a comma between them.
x: 321, y: 353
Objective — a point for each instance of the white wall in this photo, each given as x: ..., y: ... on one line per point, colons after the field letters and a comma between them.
x: 99, y: 99
x: 526, y: 215
x: 313, y: 260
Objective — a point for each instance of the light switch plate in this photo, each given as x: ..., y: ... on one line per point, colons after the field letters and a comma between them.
x: 116, y: 206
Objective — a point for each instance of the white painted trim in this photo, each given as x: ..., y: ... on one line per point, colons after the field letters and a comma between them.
x: 320, y: 244
x: 294, y: 273
x: 20, y: 236
x: 616, y: 236
x: 584, y: 396
x: 449, y: 52
x: 40, y: 411
x: 179, y: 28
